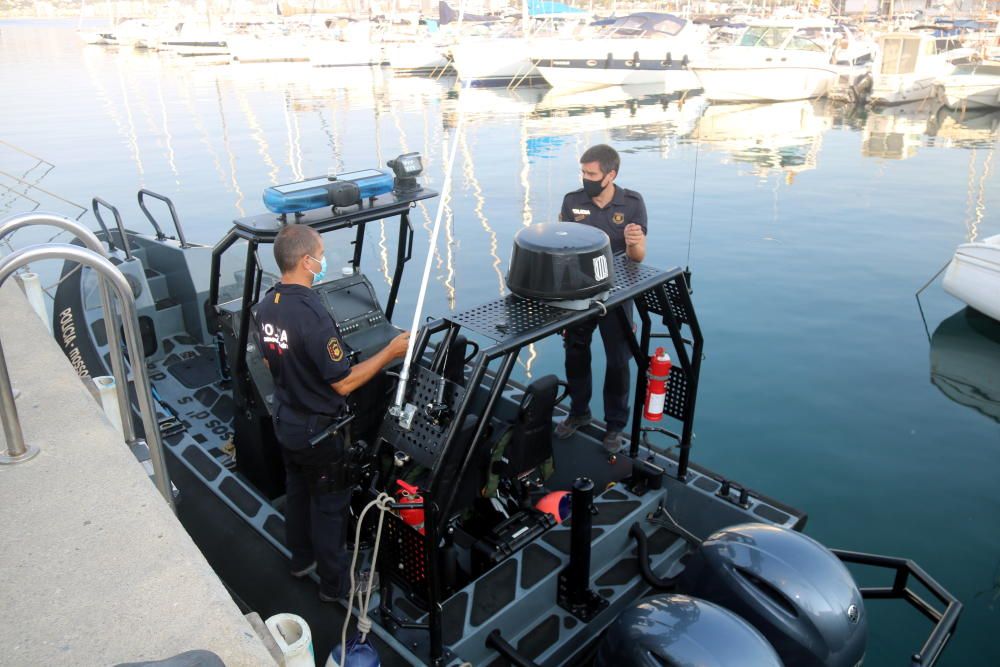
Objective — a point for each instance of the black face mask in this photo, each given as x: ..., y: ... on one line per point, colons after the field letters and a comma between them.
x: 592, y: 188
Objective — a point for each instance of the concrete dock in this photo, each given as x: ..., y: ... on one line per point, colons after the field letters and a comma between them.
x: 96, y: 568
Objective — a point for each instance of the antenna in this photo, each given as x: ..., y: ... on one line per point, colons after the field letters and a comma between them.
x: 405, y: 413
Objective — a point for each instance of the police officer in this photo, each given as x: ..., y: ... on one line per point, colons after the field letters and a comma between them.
x: 312, y: 377
x: 621, y: 214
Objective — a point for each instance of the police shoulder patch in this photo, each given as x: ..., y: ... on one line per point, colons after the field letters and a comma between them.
x: 618, y: 218
x: 334, y: 349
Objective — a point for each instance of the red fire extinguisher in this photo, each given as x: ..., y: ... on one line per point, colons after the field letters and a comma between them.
x: 656, y: 385
x: 409, y: 494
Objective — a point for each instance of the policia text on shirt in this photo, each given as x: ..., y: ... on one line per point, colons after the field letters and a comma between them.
x: 312, y: 376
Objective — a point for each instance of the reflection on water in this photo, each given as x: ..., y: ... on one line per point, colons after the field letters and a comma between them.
x: 965, y: 361
x: 784, y: 137
x: 808, y: 339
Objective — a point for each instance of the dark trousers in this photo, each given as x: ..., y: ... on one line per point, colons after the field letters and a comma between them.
x: 616, y: 377
x: 316, y: 504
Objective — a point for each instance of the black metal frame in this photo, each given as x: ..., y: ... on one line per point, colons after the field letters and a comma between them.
x: 263, y: 229
x: 903, y: 568
x: 663, y: 293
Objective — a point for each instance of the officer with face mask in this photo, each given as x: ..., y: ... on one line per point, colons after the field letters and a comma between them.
x: 312, y: 374
x: 621, y: 214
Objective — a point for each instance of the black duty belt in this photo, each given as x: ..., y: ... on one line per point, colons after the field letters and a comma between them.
x: 335, y: 426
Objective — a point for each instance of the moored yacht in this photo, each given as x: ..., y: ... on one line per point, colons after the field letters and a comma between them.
x: 773, y: 60
x: 973, y: 85
x: 638, y: 49
x: 909, y: 63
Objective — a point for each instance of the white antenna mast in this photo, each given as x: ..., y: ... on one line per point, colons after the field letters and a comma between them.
x: 405, y: 413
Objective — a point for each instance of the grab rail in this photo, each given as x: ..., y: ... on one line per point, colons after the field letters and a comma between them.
x: 16, y: 450
x: 903, y: 568
x: 118, y: 222
x: 160, y: 236
x: 90, y: 240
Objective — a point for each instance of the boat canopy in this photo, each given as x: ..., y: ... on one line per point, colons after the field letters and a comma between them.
x: 647, y: 23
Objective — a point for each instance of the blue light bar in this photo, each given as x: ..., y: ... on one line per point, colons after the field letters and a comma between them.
x: 314, y: 193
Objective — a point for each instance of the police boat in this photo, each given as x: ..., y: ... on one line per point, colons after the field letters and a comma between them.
x: 496, y: 543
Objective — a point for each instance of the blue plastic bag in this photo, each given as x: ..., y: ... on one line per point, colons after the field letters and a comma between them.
x: 359, y: 654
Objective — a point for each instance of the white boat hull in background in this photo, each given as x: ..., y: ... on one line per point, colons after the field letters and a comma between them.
x: 268, y: 49
x: 972, y: 87
x: 973, y: 276
x: 493, y: 61
x: 415, y: 57
x: 763, y: 84
x: 586, y: 78
x: 334, y: 53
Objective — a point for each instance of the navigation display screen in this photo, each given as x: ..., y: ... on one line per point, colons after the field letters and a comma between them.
x: 349, y: 302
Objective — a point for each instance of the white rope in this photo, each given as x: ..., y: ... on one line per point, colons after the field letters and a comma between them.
x: 383, y: 502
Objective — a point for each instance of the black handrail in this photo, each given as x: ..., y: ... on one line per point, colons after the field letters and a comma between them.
x: 495, y: 641
x: 118, y: 222
x: 160, y: 236
x: 904, y: 568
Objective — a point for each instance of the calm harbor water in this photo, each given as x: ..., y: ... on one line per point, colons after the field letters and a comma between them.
x: 812, y: 228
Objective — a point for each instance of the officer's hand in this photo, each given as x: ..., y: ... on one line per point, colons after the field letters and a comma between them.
x: 397, y: 346
x: 633, y: 234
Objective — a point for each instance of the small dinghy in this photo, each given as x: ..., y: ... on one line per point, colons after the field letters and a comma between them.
x: 974, y: 275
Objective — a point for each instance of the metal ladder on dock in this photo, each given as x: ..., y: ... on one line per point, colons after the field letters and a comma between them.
x: 110, y: 280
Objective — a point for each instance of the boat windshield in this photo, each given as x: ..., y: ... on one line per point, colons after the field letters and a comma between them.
x: 899, y: 55
x: 765, y: 36
x: 647, y: 24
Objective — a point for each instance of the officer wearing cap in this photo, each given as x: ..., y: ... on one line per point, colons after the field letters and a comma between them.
x: 312, y: 374
x: 621, y: 214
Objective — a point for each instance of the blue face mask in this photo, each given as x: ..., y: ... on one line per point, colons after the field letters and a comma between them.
x: 318, y: 277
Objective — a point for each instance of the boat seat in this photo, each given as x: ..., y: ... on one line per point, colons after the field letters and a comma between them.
x: 521, y: 458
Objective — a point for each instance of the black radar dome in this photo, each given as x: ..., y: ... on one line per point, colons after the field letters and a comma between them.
x: 560, y: 261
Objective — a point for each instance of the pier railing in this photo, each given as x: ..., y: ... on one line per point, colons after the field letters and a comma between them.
x: 110, y: 279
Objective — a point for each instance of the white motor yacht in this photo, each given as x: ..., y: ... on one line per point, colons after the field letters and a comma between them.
x: 773, y: 60
x: 909, y: 63
x: 973, y: 276
x: 972, y: 86
x: 638, y: 49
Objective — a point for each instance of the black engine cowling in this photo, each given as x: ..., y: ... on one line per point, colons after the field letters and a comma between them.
x: 680, y: 630
x: 787, y: 585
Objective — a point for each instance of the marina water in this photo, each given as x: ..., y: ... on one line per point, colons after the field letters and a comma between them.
x: 808, y: 229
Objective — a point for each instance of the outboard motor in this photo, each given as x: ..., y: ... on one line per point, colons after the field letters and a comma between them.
x: 565, y: 264
x: 680, y: 630
x: 787, y: 585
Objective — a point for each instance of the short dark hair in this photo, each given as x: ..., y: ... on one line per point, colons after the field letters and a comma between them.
x: 292, y: 244
x: 604, y: 155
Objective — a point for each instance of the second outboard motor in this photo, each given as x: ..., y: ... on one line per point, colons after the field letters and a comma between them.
x: 680, y: 630
x: 788, y: 586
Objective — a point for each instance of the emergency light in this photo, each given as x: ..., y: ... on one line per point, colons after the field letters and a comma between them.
x: 340, y: 190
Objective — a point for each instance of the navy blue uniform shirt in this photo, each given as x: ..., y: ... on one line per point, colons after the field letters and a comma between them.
x: 304, y: 350
x: 626, y: 207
